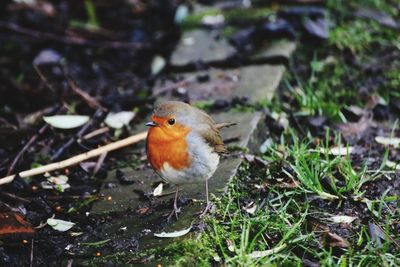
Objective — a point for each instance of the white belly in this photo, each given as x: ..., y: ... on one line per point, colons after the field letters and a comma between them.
x: 204, y: 162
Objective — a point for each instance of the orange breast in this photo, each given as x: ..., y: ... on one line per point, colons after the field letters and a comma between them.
x: 168, y: 145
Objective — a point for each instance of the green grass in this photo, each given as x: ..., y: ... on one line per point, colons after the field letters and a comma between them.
x: 281, y: 224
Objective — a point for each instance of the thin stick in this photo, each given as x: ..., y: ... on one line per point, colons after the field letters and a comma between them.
x: 91, y: 101
x: 31, y: 257
x: 25, y: 148
x: 99, y: 113
x: 94, y: 133
x: 99, y: 163
x: 72, y: 40
x: 79, y: 158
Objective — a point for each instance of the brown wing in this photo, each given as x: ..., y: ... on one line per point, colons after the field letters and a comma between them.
x: 213, y: 138
x: 211, y: 134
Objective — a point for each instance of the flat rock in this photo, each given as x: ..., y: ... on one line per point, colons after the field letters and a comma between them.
x: 255, y: 83
x: 276, y: 49
x: 200, y: 46
x: 143, y: 227
x: 122, y: 197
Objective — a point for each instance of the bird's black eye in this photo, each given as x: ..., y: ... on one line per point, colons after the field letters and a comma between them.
x: 171, y: 121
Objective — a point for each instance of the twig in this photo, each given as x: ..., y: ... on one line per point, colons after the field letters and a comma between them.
x: 43, y: 78
x: 99, y: 163
x: 94, y: 133
x: 26, y: 146
x: 78, y: 135
x: 31, y: 258
x: 71, y: 40
x: 14, y: 197
x: 76, y: 159
x: 91, y: 101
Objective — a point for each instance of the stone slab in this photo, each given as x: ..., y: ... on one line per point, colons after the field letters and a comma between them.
x: 143, y: 227
x: 256, y: 83
x: 200, y: 46
x: 276, y: 49
x: 129, y: 196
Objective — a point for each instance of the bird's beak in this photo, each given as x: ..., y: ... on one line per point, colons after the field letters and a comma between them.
x: 151, y: 124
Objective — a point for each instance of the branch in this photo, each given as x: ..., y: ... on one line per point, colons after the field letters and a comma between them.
x: 99, y: 114
x: 71, y: 40
x: 76, y: 159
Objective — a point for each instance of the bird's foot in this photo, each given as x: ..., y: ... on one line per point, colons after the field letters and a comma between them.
x: 175, y: 212
x: 206, y: 209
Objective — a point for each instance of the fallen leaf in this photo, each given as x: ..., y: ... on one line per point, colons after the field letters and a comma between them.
x: 355, y: 130
x: 377, y: 234
x: 281, y: 118
x: 158, y: 190
x: 157, y: 64
x: 143, y: 210
x: 173, y: 234
x: 264, y: 253
x: 342, y: 219
x: 334, y: 240
x: 392, y: 165
x: 251, y: 208
x: 266, y: 145
x: 60, y: 183
x: 388, y: 141
x: 73, y: 234
x: 47, y: 56
x: 119, y: 119
x: 181, y: 13
x: 230, y: 245
x: 61, y: 179
x: 13, y: 223
x: 60, y: 225
x: 28, y: 2
x: 66, y: 121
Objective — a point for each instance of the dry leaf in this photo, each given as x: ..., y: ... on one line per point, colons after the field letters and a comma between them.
x: 173, y: 234
x: 388, y: 141
x: 334, y: 240
x: 251, y: 208
x: 119, y: 119
x: 60, y: 225
x: 66, y: 121
x: 264, y: 253
x: 158, y: 190
x: 342, y: 219
x: 356, y: 129
x: 392, y: 165
x: 230, y: 245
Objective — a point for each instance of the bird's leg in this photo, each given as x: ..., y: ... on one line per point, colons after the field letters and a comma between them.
x: 208, y: 205
x: 176, y: 210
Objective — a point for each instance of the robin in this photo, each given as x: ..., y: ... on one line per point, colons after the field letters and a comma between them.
x: 184, y: 146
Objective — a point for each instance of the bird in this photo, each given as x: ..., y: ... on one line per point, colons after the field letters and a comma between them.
x: 183, y: 146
